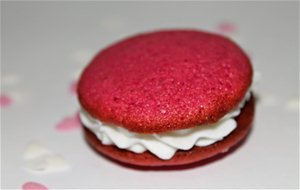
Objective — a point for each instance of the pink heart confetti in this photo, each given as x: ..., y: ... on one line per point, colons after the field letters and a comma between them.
x: 69, y: 123
x: 33, y: 186
x: 73, y: 87
x: 226, y: 27
x: 5, y: 100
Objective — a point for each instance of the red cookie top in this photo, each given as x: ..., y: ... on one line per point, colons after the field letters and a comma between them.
x: 166, y: 80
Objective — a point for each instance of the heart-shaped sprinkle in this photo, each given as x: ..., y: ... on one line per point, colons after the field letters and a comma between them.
x: 293, y: 104
x: 69, y: 124
x: 226, y: 27
x: 39, y: 160
x: 73, y: 87
x: 33, y: 186
x: 34, y: 150
x: 47, y: 164
x: 10, y: 79
x: 5, y: 100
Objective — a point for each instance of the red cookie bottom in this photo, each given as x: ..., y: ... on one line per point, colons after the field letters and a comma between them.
x: 244, y: 121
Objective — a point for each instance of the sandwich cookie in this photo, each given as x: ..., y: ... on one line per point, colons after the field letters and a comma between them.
x: 167, y: 98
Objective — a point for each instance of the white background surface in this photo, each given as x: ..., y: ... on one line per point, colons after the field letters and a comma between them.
x: 44, y: 44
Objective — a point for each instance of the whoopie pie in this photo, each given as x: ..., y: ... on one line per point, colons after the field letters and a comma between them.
x: 167, y: 98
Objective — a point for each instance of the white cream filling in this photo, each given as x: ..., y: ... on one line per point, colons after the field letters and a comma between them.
x: 163, y: 145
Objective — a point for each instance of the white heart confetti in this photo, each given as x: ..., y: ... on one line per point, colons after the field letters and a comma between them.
x: 38, y: 159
